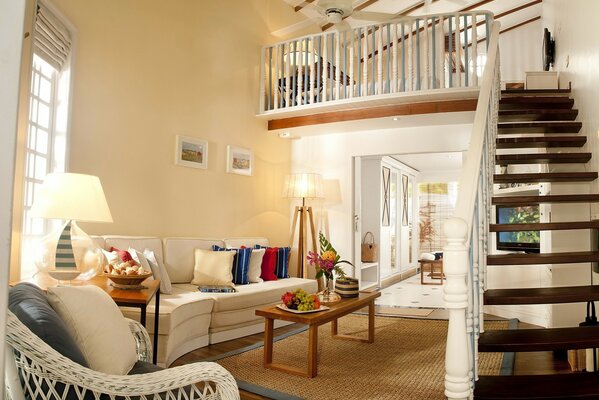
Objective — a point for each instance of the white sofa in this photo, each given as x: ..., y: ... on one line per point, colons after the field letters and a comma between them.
x: 189, y: 319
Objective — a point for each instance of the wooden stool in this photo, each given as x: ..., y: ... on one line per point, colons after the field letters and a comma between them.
x: 434, y: 269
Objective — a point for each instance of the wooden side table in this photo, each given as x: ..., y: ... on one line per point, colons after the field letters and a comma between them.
x: 122, y: 297
x: 434, y: 269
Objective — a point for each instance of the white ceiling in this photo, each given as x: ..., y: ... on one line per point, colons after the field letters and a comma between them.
x: 395, y: 7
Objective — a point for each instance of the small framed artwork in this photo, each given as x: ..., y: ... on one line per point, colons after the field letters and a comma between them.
x: 240, y: 161
x: 191, y: 152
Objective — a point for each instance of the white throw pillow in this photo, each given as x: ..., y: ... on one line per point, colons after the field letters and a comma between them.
x: 111, y: 256
x: 213, y: 268
x: 142, y: 261
x: 427, y: 257
x: 159, y: 271
x: 256, y: 265
x: 98, y: 327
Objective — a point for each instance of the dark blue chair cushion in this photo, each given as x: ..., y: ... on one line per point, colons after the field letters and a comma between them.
x: 144, y: 367
x: 28, y: 302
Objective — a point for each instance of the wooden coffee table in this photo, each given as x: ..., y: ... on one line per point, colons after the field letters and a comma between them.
x: 314, y: 320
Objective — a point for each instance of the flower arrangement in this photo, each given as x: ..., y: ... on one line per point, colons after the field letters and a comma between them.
x: 328, y: 262
x: 300, y: 300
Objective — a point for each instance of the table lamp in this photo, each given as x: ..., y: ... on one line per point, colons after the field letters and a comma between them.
x: 70, y: 253
x: 303, y: 186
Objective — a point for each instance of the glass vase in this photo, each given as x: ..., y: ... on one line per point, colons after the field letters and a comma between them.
x: 328, y: 294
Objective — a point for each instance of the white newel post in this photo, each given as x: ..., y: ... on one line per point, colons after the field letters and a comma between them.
x: 457, y: 356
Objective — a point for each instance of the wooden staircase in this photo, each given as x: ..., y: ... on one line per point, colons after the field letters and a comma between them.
x: 548, y: 114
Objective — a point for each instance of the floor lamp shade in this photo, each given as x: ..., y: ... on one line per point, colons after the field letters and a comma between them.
x: 303, y: 186
x: 70, y: 253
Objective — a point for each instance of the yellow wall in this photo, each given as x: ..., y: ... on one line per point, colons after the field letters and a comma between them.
x: 147, y: 70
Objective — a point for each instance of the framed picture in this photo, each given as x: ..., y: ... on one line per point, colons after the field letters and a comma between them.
x: 191, y: 152
x: 240, y: 161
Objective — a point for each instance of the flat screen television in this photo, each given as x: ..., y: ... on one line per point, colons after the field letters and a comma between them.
x: 527, y: 241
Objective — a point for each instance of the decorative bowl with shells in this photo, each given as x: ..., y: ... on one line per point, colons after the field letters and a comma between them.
x: 126, y: 275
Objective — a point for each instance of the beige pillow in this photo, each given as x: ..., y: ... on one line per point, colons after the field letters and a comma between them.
x: 213, y: 268
x: 255, y: 269
x: 98, y: 327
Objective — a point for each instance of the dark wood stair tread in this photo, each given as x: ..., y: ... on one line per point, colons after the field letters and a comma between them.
x: 543, y: 158
x: 538, y: 387
x: 546, y: 295
x: 543, y: 258
x: 554, y: 198
x: 539, y: 127
x: 544, y: 226
x: 516, y: 340
x: 538, y: 114
x: 545, y: 177
x: 535, y: 91
x: 540, y: 141
x: 537, y: 102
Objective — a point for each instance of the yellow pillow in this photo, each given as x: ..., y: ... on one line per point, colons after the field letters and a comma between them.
x: 213, y: 268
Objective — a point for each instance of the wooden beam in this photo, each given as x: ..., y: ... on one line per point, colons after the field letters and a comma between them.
x: 512, y: 27
x: 508, y: 12
x: 302, y: 5
x: 374, y: 112
x: 358, y: 8
x: 476, y: 5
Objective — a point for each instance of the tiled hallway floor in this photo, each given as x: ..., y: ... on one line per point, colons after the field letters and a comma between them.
x: 410, y: 293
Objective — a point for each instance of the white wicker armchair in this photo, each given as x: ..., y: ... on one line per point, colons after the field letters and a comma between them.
x: 36, y: 370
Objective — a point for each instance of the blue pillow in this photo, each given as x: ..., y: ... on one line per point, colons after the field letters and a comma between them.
x: 282, y: 265
x: 30, y: 305
x: 241, y: 264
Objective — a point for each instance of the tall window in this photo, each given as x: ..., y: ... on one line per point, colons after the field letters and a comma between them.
x: 47, y: 128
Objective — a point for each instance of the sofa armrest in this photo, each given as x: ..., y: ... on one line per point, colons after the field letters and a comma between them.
x: 142, y: 340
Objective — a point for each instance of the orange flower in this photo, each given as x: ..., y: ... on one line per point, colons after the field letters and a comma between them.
x: 329, y: 256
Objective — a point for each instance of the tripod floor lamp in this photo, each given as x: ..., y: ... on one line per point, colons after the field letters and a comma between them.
x: 303, y: 186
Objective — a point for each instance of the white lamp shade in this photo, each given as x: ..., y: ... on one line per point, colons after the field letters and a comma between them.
x: 72, y: 197
x: 306, y: 186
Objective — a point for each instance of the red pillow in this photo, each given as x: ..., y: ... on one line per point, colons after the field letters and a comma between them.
x: 124, y: 255
x: 269, y: 264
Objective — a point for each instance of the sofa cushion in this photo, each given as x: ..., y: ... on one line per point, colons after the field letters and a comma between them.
x: 98, y: 327
x: 269, y: 265
x: 30, y: 305
x: 159, y: 271
x: 213, y: 268
x: 259, y: 294
x: 144, y: 367
x: 245, y: 242
x: 256, y: 265
x: 282, y: 262
x: 241, y: 264
x: 136, y: 242
x: 179, y: 258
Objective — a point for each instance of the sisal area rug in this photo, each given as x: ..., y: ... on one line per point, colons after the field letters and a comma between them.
x: 406, y: 361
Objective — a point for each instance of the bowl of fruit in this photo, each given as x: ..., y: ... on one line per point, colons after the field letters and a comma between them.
x: 300, y: 302
x: 127, y: 275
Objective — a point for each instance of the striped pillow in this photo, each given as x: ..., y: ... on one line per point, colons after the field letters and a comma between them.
x: 241, y: 264
x: 282, y: 265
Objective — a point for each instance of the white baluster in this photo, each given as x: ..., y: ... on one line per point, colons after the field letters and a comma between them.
x: 351, y: 66
x: 455, y: 265
x: 325, y: 65
x: 427, y: 54
x: 458, y: 52
x: 474, y: 35
x: 337, y: 67
x: 276, y: 80
x: 379, y: 64
x: 365, y: 64
x: 441, y: 53
x: 263, y: 80
x: 313, y: 70
x: 410, y: 77
x: 300, y: 73
x: 394, y: 80
x: 288, y: 75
